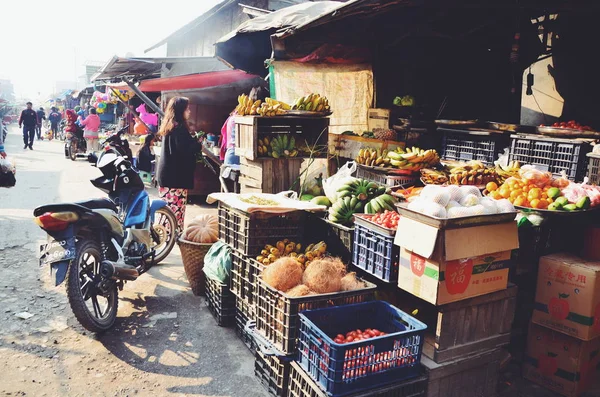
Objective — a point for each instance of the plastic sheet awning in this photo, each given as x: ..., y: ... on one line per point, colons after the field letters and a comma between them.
x: 196, y: 81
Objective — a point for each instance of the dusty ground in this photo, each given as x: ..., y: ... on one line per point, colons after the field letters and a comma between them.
x: 165, y: 342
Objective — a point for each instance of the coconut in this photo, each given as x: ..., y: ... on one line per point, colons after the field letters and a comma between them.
x: 351, y: 283
x: 324, y: 276
x: 283, y: 274
x: 299, y: 290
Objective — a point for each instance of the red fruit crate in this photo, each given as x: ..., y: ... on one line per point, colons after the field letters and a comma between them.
x: 248, y: 233
x: 301, y: 385
x: 277, y: 314
x: 343, y: 369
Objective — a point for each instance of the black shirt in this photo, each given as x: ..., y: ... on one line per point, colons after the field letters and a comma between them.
x: 178, y: 160
x: 28, y: 117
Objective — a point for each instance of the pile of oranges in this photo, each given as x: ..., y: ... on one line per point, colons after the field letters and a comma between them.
x: 524, y: 193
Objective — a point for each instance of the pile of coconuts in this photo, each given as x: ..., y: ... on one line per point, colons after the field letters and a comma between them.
x: 322, y: 276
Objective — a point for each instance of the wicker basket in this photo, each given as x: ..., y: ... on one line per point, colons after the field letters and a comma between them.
x: 193, y: 262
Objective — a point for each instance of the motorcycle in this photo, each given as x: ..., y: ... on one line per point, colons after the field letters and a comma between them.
x: 118, y: 144
x: 75, y: 145
x: 98, y: 245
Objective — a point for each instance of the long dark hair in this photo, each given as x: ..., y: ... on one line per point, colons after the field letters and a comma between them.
x: 174, y: 115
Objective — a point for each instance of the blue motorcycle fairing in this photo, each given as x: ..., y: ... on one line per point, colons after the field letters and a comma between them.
x: 137, y: 209
x: 155, y: 206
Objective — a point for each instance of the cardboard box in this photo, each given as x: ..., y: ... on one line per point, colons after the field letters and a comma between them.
x: 559, y: 362
x: 567, y: 297
x: 378, y: 118
x: 443, y: 266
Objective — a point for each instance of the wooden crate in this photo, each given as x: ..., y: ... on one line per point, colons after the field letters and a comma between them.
x: 472, y: 325
x: 306, y: 130
x: 347, y: 146
x: 474, y: 376
x: 269, y: 175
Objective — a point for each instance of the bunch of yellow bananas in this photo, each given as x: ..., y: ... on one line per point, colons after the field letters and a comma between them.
x: 289, y: 248
x: 247, y: 106
x: 313, y: 103
x: 270, y: 110
x: 373, y: 157
x: 413, y: 159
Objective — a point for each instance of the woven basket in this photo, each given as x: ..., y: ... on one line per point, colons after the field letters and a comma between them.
x: 193, y: 262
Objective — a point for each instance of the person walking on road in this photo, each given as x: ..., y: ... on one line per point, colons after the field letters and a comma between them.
x: 90, y: 126
x: 28, y: 121
x: 2, y: 136
x: 41, y: 115
x: 178, y: 158
x: 54, y: 117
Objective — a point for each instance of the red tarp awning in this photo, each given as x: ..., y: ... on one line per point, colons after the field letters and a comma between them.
x: 194, y: 81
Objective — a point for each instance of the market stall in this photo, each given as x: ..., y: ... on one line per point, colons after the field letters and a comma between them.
x: 467, y: 221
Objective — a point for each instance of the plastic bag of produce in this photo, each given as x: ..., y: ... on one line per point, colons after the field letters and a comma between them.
x: 339, y: 179
x: 217, y: 262
x: 535, y: 176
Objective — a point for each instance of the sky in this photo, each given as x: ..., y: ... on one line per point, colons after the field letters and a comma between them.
x: 48, y: 41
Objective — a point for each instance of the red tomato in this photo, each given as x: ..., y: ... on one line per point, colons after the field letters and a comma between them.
x: 339, y: 336
x: 349, y: 339
x: 376, y: 332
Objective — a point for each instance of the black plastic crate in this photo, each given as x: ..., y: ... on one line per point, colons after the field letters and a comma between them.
x: 273, y: 372
x: 552, y: 154
x: 244, y: 273
x: 339, y: 238
x: 463, y: 145
x: 277, y: 314
x: 248, y: 233
x: 343, y: 369
x: 375, y: 253
x: 221, y: 302
x: 384, y: 179
x: 301, y: 385
x: 244, y: 312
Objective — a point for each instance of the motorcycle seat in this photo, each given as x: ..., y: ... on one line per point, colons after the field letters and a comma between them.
x: 97, y: 204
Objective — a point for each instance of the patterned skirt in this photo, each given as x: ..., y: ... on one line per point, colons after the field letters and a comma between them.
x: 176, y: 200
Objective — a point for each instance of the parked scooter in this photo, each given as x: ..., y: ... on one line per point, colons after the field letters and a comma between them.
x: 97, y: 245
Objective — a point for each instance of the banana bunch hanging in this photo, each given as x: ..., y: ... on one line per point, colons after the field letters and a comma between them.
x: 246, y: 106
x: 312, y: 103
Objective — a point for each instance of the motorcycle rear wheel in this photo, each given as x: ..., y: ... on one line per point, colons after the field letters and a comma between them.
x: 84, y: 296
x: 73, y: 150
x: 165, y: 227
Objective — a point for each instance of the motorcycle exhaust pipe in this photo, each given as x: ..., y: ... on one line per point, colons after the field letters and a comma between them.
x: 119, y: 271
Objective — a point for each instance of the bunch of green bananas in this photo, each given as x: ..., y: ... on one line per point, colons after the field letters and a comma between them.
x: 360, y: 188
x: 343, y: 209
x: 380, y: 203
x: 282, y: 146
x: 413, y: 159
x: 312, y: 102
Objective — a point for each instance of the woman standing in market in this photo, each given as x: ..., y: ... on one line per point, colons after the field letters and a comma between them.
x: 178, y: 158
x: 90, y: 126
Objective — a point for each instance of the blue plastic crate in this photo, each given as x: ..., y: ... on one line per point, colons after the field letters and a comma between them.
x: 375, y: 253
x: 342, y: 369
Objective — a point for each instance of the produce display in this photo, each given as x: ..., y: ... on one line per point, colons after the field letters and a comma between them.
x: 358, y: 335
x: 359, y: 195
x: 286, y: 248
x: 469, y: 173
x: 387, y: 219
x: 322, y: 276
x: 570, y: 124
x: 203, y: 229
x: 258, y: 200
x: 269, y: 108
x: 411, y: 159
x: 277, y: 147
x: 540, y: 190
x: 312, y: 103
x: 456, y: 202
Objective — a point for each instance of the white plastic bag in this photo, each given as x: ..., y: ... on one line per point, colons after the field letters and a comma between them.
x: 8, y: 171
x: 339, y: 179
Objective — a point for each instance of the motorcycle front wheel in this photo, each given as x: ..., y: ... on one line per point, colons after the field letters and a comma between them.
x: 164, y: 233
x: 94, y: 308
